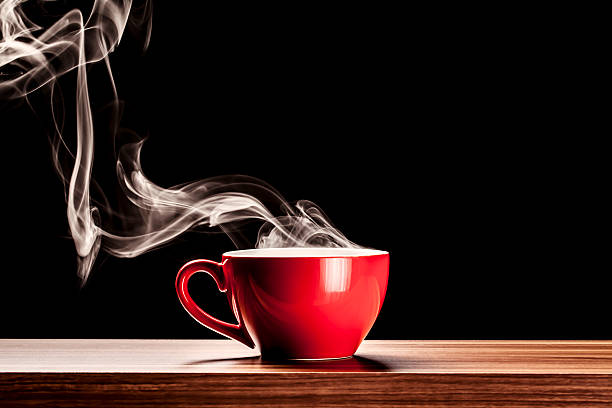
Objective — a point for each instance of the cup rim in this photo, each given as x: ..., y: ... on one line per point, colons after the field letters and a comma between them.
x: 293, y: 253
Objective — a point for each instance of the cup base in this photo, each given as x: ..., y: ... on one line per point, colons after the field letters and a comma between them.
x: 276, y: 357
x: 320, y: 359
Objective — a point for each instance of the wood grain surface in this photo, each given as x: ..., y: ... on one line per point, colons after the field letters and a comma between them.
x: 186, y: 373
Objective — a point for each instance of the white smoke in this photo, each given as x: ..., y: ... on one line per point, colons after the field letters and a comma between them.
x: 32, y: 57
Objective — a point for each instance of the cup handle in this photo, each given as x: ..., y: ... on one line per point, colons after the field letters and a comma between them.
x: 214, y: 269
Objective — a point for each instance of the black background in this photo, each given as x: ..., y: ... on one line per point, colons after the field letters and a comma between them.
x: 457, y: 147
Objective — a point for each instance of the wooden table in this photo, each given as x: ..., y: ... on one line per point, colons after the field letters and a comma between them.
x: 185, y: 373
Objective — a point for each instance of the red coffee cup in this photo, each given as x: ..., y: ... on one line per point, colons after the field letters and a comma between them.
x: 306, y: 303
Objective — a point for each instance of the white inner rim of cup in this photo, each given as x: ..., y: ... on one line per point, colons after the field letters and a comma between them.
x: 303, y: 252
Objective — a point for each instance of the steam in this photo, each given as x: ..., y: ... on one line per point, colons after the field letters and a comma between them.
x: 32, y: 57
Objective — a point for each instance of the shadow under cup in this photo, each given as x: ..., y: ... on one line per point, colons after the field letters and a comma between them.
x: 310, y: 303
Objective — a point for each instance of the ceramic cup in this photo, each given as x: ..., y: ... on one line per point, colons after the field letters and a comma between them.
x: 295, y: 303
